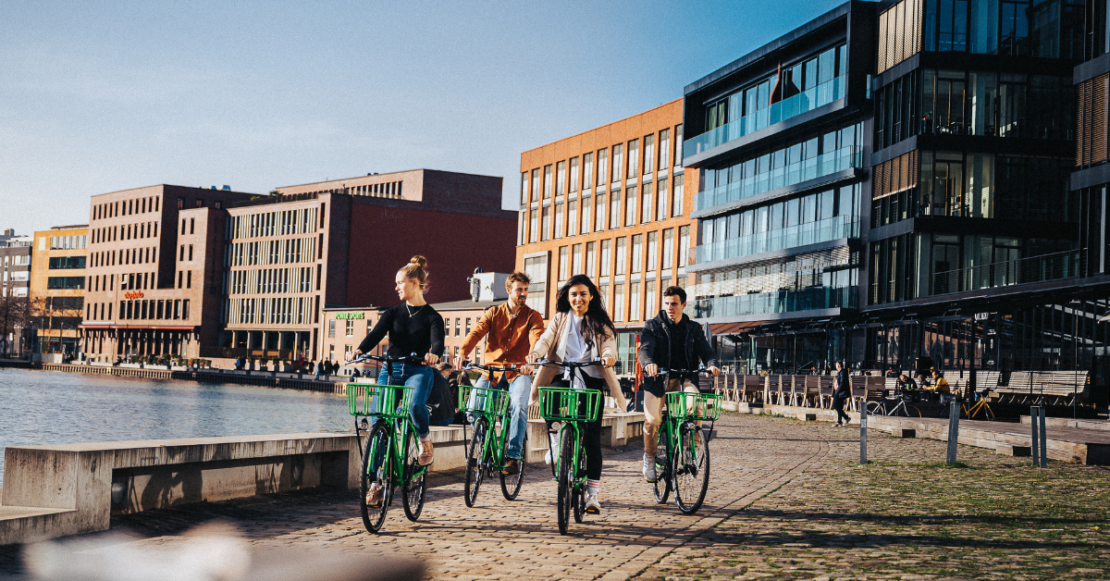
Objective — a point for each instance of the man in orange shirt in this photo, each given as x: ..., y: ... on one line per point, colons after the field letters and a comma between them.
x: 513, y: 329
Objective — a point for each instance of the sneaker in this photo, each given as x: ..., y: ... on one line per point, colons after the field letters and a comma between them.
x: 592, y: 505
x: 512, y: 466
x: 847, y: 421
x: 649, y: 468
x: 425, y: 453
x: 374, y: 495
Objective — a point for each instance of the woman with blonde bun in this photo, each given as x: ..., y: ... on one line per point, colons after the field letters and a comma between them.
x: 413, y: 327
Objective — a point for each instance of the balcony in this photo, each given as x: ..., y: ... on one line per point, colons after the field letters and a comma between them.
x: 795, y: 173
x: 786, y: 301
x: 1047, y: 267
x: 803, y: 102
x: 781, y: 239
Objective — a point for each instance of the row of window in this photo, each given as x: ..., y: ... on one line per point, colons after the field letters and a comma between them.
x: 264, y: 252
x: 127, y: 207
x: 982, y: 185
x: 945, y: 102
x: 65, y: 242
x: 269, y: 311
x: 669, y: 203
x: 126, y: 232
x: 65, y: 282
x: 385, y: 190
x: 269, y: 281
x: 16, y: 260
x: 607, y: 169
x: 157, y: 310
x: 67, y: 262
x: 281, y: 223
x: 760, y: 172
x: 16, y: 276
x: 1049, y: 29
x: 125, y: 256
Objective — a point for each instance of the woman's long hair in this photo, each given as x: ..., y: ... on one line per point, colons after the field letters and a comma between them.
x: 596, y: 322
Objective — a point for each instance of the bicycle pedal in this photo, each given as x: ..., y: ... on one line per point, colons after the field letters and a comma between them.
x: 471, y: 462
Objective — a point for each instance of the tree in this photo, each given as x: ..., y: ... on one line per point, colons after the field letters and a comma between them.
x: 16, y: 315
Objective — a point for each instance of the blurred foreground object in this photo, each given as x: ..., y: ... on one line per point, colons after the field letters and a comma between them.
x: 207, y: 553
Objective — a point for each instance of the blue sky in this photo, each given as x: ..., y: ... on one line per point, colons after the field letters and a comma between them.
x: 97, y: 97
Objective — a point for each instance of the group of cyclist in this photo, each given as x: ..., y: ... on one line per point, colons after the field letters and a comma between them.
x: 580, y: 331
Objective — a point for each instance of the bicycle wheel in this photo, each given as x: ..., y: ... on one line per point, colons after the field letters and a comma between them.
x: 566, y: 471
x: 377, y: 452
x: 691, y: 468
x: 414, y: 488
x: 662, y: 485
x: 875, y: 408
x: 578, y: 493
x: 511, y: 483
x: 475, y: 462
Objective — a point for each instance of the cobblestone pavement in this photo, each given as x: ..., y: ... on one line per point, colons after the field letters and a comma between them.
x: 786, y: 501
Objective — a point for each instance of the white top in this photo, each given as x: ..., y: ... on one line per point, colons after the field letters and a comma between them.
x: 578, y: 350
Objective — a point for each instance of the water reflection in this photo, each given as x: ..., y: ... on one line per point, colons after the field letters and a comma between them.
x: 38, y: 407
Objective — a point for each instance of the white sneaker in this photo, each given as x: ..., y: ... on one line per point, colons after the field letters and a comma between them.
x: 592, y: 505
x: 649, y: 468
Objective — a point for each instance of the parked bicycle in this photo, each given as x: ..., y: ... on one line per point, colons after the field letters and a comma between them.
x: 572, y: 407
x: 897, y: 404
x: 489, y: 442
x: 682, y: 461
x: 392, y: 451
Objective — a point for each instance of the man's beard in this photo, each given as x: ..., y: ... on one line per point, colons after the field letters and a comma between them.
x: 515, y: 304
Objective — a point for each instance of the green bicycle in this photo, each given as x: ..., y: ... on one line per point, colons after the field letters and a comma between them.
x: 682, y: 463
x: 392, y: 451
x: 571, y: 407
x: 486, y: 452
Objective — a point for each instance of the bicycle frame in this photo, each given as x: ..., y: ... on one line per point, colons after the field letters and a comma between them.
x: 401, y: 430
x: 575, y: 460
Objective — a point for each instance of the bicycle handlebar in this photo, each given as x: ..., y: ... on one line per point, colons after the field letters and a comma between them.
x: 412, y: 359
x: 568, y: 364
x: 665, y: 371
x: 467, y: 366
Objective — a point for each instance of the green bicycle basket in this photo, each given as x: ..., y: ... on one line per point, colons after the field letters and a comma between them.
x: 383, y: 401
x: 566, y: 404
x: 694, y: 406
x: 483, y: 400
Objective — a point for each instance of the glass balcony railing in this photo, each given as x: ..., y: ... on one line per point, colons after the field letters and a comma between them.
x: 786, y: 301
x: 795, y: 173
x: 781, y: 239
x: 1042, y: 268
x: 803, y: 102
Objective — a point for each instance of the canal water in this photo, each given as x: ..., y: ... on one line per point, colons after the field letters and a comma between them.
x: 43, y: 407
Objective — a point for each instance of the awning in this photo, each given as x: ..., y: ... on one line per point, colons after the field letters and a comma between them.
x: 734, y: 328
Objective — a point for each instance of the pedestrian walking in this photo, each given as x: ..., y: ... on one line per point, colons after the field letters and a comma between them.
x: 842, y: 390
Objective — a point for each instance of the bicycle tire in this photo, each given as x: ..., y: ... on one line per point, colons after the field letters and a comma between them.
x: 511, y: 483
x: 475, y: 462
x: 875, y: 408
x: 565, y: 498
x: 414, y: 488
x: 913, y: 411
x: 691, y: 468
x: 662, y: 485
x: 578, y: 494
x: 377, y: 443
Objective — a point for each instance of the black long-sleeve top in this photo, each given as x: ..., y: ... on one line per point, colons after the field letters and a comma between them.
x: 411, y: 330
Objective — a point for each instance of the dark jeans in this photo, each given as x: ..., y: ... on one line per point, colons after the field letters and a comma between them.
x: 838, y: 405
x: 591, y: 431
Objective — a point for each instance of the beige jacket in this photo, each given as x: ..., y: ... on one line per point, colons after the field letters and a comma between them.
x: 553, y: 342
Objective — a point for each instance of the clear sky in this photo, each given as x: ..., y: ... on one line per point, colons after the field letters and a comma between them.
x: 103, y: 96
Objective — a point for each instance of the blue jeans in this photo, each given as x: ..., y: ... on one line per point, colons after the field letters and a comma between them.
x: 519, y: 390
x: 415, y: 376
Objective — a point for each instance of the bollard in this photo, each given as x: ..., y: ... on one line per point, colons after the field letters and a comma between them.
x: 1034, y: 436
x: 1044, y: 439
x: 953, y: 429
x: 863, y: 435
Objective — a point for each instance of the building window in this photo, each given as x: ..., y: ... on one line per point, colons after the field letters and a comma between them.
x: 615, y: 210
x: 350, y: 328
x: 678, y: 196
x: 633, y: 158
x: 591, y: 259
x: 563, y: 265
x: 560, y: 179
x: 573, y: 175
x: 572, y: 218
x: 601, y: 215
x: 468, y: 325
x: 576, y: 260
x: 649, y: 154
x: 331, y: 329
x: 458, y: 327
x: 647, y: 208
x: 668, y: 245
x: 536, y: 269
x: 621, y: 254
x: 524, y: 188
x: 630, y: 206
x: 533, y: 227
x: 547, y: 182
x: 634, y: 302
x: 683, y: 246
x: 652, y: 251
x: 618, y: 302
x: 558, y: 220
x: 662, y: 192
x: 602, y: 165
x: 618, y: 160
x: 664, y: 145
x: 545, y: 223
x: 587, y: 217
x: 651, y: 300
x: 637, y: 252
x: 606, y: 252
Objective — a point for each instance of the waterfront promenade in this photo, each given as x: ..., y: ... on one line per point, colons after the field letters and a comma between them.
x: 788, y: 501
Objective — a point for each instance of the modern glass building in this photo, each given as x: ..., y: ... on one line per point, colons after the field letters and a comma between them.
x: 945, y: 226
